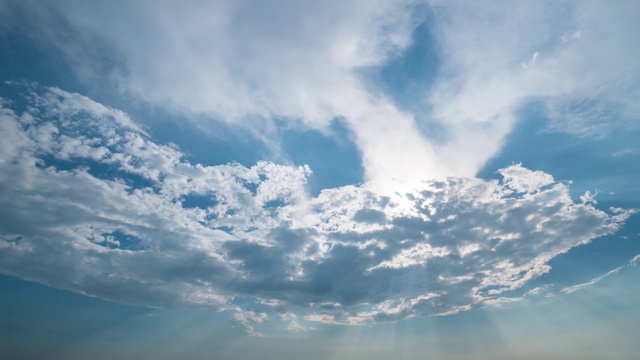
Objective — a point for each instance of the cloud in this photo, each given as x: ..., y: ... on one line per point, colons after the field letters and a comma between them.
x: 573, y: 288
x: 91, y: 203
x: 248, y: 318
x: 570, y: 289
x: 483, y: 83
x: 233, y: 62
x: 294, y: 324
x: 302, y: 63
x: 523, y: 180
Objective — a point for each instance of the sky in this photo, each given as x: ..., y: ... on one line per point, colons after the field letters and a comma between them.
x: 319, y: 180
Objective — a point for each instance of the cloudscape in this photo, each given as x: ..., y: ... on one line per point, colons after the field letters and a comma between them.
x: 319, y: 180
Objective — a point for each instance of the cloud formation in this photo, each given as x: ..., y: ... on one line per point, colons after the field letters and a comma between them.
x: 302, y: 63
x: 91, y: 203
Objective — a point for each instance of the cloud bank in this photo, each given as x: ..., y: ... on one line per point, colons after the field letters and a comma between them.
x: 91, y: 203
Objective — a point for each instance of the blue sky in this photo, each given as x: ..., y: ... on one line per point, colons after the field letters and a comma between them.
x: 362, y: 180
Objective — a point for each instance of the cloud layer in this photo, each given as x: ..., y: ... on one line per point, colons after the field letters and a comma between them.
x: 90, y: 203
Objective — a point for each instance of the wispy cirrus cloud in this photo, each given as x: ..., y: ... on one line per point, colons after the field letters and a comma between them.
x: 91, y: 203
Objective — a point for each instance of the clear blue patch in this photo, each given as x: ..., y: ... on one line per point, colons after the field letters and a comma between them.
x: 334, y: 160
x: 21, y: 59
x: 251, y: 186
x: 227, y: 229
x: 408, y: 77
x: 220, y: 144
x: 27, y: 54
x: 123, y: 241
x: 40, y: 322
x: 193, y: 201
x: 274, y: 204
x: 32, y: 310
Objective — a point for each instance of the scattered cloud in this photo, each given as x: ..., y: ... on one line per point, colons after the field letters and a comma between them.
x: 91, y: 203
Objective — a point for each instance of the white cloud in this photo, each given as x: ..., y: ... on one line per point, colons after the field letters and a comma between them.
x: 416, y: 255
x: 523, y: 180
x: 579, y: 53
x: 118, y: 226
x: 247, y: 63
x: 499, y: 302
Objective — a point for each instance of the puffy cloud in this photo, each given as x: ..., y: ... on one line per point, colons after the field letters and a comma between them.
x: 523, y: 180
x: 91, y: 203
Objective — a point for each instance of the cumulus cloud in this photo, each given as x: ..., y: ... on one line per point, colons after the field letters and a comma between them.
x: 91, y: 203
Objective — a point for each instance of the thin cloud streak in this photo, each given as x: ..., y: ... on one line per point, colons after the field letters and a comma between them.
x: 573, y: 288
